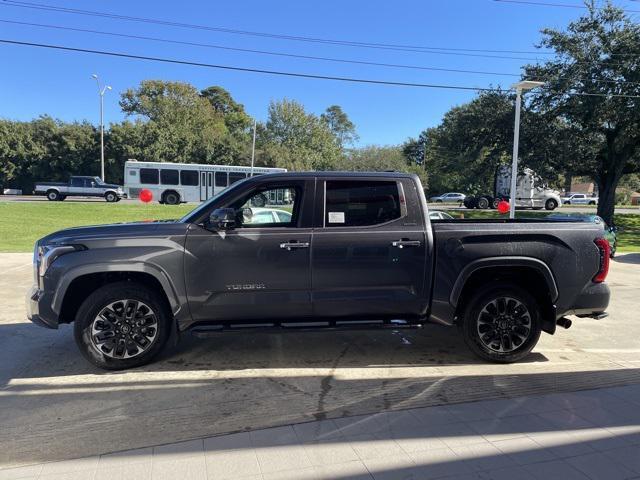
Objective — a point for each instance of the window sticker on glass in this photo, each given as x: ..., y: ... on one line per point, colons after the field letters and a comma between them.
x: 336, y: 217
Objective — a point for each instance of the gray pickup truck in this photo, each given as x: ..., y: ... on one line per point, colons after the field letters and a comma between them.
x: 357, y: 251
x: 78, y: 186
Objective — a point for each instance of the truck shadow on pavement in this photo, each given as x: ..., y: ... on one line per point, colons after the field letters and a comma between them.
x: 42, y: 353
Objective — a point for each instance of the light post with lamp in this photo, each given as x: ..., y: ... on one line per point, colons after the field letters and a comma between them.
x: 520, y: 87
x: 101, y: 92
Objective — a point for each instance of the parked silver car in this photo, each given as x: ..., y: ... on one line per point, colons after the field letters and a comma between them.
x: 450, y: 197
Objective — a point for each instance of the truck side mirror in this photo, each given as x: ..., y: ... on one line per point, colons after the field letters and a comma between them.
x: 222, y: 219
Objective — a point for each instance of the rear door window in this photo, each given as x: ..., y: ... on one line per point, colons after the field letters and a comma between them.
x: 189, y: 177
x: 221, y: 179
x: 359, y: 203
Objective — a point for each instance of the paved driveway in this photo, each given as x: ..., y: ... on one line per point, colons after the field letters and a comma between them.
x: 54, y: 405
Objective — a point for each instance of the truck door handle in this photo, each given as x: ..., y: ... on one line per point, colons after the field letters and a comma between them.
x: 293, y: 244
x: 406, y: 243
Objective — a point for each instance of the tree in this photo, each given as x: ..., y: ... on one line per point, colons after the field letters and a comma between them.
x: 593, y: 85
x: 234, y: 147
x: 339, y: 123
x: 374, y: 158
x: 297, y: 140
x: 476, y: 138
x: 180, y: 124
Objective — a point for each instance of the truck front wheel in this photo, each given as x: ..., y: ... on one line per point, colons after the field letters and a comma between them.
x: 501, y: 323
x: 550, y: 204
x: 122, y: 325
x: 110, y: 197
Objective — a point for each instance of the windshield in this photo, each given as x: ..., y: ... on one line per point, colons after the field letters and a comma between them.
x: 98, y: 180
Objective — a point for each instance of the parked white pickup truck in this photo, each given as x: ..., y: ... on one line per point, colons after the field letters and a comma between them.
x: 579, y: 199
x: 80, y: 187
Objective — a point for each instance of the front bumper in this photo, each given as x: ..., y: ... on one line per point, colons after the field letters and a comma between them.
x: 39, y: 308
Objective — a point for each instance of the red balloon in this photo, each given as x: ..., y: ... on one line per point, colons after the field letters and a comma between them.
x: 145, y: 195
x: 503, y: 206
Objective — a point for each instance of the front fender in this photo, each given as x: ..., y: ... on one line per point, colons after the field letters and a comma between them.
x: 140, y: 267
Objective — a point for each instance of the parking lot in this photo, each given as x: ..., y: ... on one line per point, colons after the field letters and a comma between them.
x: 55, y: 406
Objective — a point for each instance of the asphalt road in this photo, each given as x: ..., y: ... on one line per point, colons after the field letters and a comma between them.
x: 55, y: 406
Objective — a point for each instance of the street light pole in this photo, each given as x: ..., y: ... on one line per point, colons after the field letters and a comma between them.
x: 253, y: 147
x: 101, y: 92
x: 520, y: 86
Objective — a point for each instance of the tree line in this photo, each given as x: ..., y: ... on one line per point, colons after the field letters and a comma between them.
x: 584, y: 121
x: 175, y: 122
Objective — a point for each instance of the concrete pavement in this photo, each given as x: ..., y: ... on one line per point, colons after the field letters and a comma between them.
x: 592, y: 434
x: 55, y: 406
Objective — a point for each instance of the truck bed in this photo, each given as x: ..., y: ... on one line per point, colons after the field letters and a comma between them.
x: 565, y: 248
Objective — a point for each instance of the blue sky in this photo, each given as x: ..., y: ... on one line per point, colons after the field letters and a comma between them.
x: 35, y: 82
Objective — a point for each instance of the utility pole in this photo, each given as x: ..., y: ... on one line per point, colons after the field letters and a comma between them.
x: 253, y: 148
x: 101, y: 92
x: 520, y: 86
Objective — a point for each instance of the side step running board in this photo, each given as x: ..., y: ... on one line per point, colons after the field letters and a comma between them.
x: 203, y: 331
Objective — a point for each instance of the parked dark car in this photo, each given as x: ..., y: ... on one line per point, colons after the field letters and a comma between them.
x: 359, y: 251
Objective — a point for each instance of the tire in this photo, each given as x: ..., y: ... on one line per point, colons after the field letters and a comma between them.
x: 495, y: 203
x: 438, y: 201
x: 171, y: 198
x: 483, y: 203
x: 111, y: 197
x: 550, y: 204
x: 117, y: 298
x: 53, y: 195
x: 592, y: 203
x: 62, y: 198
x: 567, y: 202
x: 470, y: 202
x: 477, y: 321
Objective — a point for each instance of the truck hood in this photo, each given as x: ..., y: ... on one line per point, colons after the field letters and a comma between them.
x: 111, y: 232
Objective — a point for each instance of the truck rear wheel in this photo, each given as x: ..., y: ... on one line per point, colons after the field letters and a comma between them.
x: 53, y: 195
x: 501, y: 323
x: 483, y: 203
x: 122, y: 325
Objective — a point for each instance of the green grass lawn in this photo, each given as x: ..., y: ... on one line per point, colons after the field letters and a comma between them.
x: 628, y: 238
x: 22, y: 223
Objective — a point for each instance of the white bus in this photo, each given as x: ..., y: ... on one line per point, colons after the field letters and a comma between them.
x: 174, y: 183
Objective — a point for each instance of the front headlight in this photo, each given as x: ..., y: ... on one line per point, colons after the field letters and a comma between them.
x: 47, y: 254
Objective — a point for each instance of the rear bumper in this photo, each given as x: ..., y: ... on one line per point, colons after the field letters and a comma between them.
x: 39, y: 308
x: 593, y: 301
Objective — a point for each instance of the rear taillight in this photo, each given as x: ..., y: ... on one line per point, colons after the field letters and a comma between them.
x: 605, y: 253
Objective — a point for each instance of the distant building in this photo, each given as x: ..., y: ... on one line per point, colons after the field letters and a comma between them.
x: 583, y: 187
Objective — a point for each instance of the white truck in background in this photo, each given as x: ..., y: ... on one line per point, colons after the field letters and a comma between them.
x: 531, y: 192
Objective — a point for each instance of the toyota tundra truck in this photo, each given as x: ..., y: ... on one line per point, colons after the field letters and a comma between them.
x: 349, y: 251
